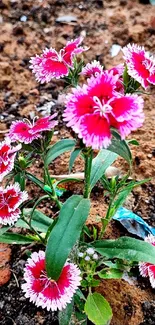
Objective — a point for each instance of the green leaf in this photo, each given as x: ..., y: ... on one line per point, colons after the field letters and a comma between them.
x: 59, y: 148
x: 98, y: 309
x: 79, y: 300
x: 35, y: 180
x: 81, y: 318
x: 73, y: 156
x: 120, y: 147
x: 133, y: 141
x: 126, y: 248
x: 38, y: 216
x: 11, y: 238
x: 40, y: 222
x: 65, y: 314
x: 99, y: 165
x: 110, y: 274
x: 121, y: 198
x: 4, y: 229
x: 72, y: 217
x: 20, y: 178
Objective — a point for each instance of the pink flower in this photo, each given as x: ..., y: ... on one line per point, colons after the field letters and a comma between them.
x: 10, y: 199
x: 92, y: 68
x: 46, y: 292
x: 52, y: 64
x: 7, y: 157
x: 25, y: 131
x: 147, y: 269
x: 141, y: 66
x: 92, y: 109
x: 118, y: 70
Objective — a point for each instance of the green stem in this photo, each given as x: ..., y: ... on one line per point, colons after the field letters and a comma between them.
x: 33, y: 230
x: 88, y: 156
x: 35, y: 205
x: 54, y: 195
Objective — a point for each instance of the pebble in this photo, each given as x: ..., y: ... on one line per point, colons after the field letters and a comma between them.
x: 66, y: 19
x: 23, y: 18
x: 115, y: 49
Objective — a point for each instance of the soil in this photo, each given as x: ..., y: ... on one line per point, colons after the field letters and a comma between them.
x: 26, y: 29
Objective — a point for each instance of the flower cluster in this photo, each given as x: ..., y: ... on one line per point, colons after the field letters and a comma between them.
x: 88, y: 255
x: 52, y: 64
x: 148, y: 269
x: 91, y: 110
x: 141, y: 66
x: 45, y: 292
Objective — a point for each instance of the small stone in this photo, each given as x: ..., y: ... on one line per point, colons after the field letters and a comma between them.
x: 149, y: 155
x: 23, y: 18
x: 115, y: 49
x: 66, y: 19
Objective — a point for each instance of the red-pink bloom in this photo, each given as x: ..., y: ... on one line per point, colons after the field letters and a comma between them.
x: 7, y: 157
x: 45, y: 292
x: 52, y: 64
x: 141, y: 66
x: 91, y: 69
x: 10, y: 199
x: 25, y: 131
x: 118, y: 70
x: 148, y: 269
x: 92, y: 109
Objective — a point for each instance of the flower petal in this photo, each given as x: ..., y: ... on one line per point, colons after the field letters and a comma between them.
x: 126, y: 106
x: 44, y: 124
x: 95, y: 131
x: 72, y: 49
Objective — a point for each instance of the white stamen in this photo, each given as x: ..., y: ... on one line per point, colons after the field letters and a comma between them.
x: 101, y: 107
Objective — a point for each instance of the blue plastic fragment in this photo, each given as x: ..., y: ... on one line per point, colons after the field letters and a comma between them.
x: 133, y: 223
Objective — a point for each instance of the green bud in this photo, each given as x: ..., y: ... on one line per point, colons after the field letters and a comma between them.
x: 22, y: 162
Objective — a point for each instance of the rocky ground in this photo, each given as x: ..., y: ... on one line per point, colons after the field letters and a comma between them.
x: 27, y: 27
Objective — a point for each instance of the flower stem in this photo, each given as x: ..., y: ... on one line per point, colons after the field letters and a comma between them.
x: 88, y: 156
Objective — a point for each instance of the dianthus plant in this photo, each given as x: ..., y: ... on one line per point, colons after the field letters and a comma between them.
x: 101, y: 109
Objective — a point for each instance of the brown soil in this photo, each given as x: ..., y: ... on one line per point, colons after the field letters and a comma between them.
x: 104, y: 23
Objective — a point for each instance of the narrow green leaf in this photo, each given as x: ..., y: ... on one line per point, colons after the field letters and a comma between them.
x: 11, y: 238
x: 72, y: 217
x: 99, y: 165
x: 73, y: 156
x: 35, y: 180
x: 120, y: 147
x: 4, y: 229
x: 38, y: 216
x: 98, y: 309
x: 121, y: 198
x: 134, y: 142
x: 81, y: 319
x: 59, y: 148
x: 65, y: 314
x: 110, y: 274
x: 20, y: 178
x: 126, y: 248
x: 40, y: 222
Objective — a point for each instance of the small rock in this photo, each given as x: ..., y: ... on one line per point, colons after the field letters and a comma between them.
x: 23, y: 18
x: 149, y: 155
x: 66, y: 19
x: 115, y: 49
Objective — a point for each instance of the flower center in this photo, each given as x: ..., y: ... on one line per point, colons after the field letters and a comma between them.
x: 102, y: 107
